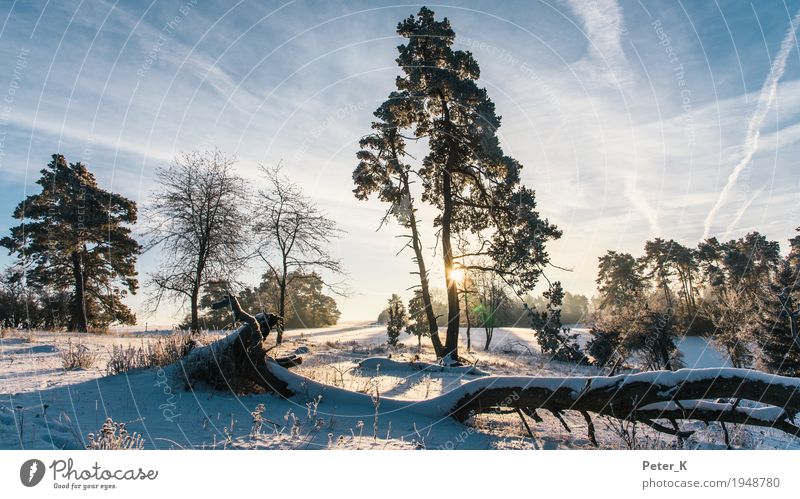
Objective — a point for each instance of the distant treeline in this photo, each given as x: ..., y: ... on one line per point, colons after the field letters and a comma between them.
x: 509, y: 310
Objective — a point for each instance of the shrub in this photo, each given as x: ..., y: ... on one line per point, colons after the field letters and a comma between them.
x: 124, y: 359
x: 397, y: 319
x: 605, y: 345
x: 77, y: 356
x: 114, y: 436
x: 162, y: 352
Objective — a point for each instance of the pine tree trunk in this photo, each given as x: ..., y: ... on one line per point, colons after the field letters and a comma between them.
x: 466, y: 316
x: 79, y: 320
x: 416, y: 244
x: 453, y: 312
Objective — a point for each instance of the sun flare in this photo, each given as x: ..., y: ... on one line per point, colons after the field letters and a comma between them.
x: 457, y: 275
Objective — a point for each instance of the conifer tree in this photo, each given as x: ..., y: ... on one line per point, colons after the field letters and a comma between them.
x: 557, y: 341
x: 397, y: 319
x: 465, y: 175
x: 382, y: 170
x: 778, y: 344
x: 417, y: 323
x: 76, y: 236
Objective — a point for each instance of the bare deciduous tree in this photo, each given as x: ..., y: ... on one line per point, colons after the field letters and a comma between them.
x: 491, y: 296
x: 292, y: 236
x: 195, y: 217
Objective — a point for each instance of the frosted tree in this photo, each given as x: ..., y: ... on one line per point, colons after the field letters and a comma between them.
x: 736, y: 274
x: 195, y: 219
x: 293, y: 236
x: 417, y: 322
x: 776, y: 332
x: 554, y: 339
x: 397, y: 319
x: 383, y: 170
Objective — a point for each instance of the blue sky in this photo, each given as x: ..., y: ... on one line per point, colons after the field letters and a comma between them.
x: 632, y: 119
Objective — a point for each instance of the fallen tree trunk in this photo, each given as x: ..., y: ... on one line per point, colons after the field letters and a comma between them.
x: 761, y: 399
x: 241, y: 363
x: 687, y: 394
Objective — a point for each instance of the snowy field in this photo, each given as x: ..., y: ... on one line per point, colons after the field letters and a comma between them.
x: 44, y: 406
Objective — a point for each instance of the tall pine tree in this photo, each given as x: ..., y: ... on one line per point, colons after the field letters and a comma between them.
x: 76, y: 236
x: 465, y: 175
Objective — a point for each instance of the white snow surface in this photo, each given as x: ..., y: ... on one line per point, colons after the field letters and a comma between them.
x: 346, y: 401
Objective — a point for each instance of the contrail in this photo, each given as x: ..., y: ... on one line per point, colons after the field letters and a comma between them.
x: 740, y: 212
x: 765, y: 100
x: 640, y: 202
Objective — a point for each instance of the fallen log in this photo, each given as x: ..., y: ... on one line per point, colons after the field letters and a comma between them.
x: 241, y: 363
x: 671, y: 396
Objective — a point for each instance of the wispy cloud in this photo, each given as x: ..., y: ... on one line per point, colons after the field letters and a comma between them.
x: 604, y: 26
x: 765, y: 100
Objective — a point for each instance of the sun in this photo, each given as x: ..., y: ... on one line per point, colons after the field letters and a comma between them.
x: 457, y: 275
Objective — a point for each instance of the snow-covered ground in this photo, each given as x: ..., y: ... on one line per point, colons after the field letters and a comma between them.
x: 44, y: 406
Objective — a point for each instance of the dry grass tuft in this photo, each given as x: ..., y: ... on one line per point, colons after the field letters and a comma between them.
x: 77, y: 356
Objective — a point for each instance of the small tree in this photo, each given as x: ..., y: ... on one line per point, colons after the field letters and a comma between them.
x: 619, y: 282
x: 76, y: 236
x: 306, y: 305
x: 655, y: 340
x: 196, y: 218
x: 418, y: 322
x: 293, y: 236
x: 605, y: 346
x: 555, y: 340
x: 657, y: 264
x: 492, y: 297
x: 777, y: 339
x: 736, y: 273
x: 397, y: 319
x: 382, y: 170
x: 622, y: 297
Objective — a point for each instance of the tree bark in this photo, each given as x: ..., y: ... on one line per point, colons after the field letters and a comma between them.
x: 453, y: 312
x: 416, y: 244
x: 671, y: 396
x: 193, y: 306
x: 466, y: 315
x: 645, y: 396
x: 79, y: 320
x: 281, y: 306
x: 194, y: 296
